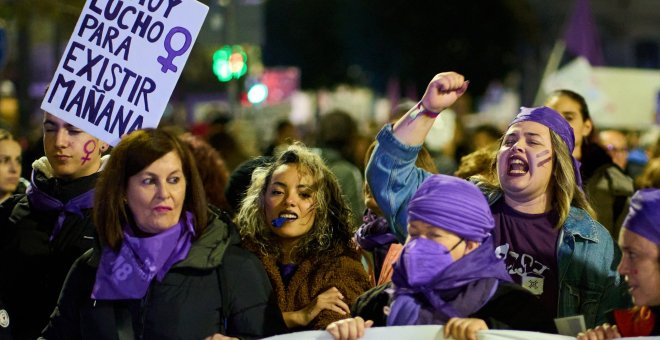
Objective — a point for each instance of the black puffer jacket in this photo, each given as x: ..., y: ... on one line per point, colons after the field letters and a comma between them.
x: 33, y: 269
x: 187, y: 304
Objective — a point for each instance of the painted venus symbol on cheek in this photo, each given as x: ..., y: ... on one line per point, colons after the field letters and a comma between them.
x: 543, y: 162
x: 88, y: 152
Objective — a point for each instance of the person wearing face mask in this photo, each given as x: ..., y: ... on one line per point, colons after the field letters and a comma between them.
x: 296, y: 220
x: 378, y: 245
x: 555, y: 247
x: 449, y: 273
x: 640, y: 241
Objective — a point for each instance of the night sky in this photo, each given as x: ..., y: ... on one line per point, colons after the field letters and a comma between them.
x: 366, y: 42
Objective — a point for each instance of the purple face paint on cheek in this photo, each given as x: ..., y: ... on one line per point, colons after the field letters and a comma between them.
x: 88, y: 148
x: 542, y: 153
x: 543, y: 162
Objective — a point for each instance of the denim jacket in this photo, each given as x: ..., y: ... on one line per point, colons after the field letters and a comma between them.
x: 586, y: 254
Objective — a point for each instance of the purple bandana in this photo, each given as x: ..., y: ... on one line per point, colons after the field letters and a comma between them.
x: 41, y: 201
x: 555, y: 122
x: 458, y: 291
x: 128, y: 273
x: 462, y: 287
x: 644, y: 214
x: 374, y: 232
x: 452, y: 204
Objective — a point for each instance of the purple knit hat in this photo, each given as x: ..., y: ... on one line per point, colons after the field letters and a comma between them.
x: 452, y: 204
x: 644, y: 214
x: 555, y: 122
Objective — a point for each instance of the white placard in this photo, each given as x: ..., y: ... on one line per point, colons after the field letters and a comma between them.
x: 617, y: 97
x: 122, y: 63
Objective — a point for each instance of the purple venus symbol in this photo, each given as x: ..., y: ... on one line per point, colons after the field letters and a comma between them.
x: 166, y: 62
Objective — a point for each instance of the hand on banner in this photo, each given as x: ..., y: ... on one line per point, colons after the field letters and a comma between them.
x: 349, y: 329
x: 464, y: 328
x: 603, y: 332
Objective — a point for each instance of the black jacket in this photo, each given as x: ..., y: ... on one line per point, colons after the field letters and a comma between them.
x: 607, y: 187
x: 187, y: 304
x: 511, y: 307
x: 33, y: 268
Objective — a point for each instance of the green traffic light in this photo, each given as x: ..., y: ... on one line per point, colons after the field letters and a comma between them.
x: 229, y: 62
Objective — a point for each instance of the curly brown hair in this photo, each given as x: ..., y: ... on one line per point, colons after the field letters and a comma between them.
x: 332, y: 230
x: 212, y: 169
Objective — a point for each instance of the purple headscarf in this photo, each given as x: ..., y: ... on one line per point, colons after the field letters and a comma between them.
x: 555, y: 122
x: 455, y: 205
x: 452, y: 204
x: 374, y: 232
x: 644, y: 214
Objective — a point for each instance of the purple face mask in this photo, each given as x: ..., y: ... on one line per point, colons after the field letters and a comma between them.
x: 424, y: 260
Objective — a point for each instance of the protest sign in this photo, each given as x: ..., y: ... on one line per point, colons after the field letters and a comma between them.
x: 122, y: 63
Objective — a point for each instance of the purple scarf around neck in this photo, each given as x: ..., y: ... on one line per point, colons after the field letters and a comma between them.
x: 41, y: 201
x: 460, y: 291
x: 128, y: 273
x: 374, y: 232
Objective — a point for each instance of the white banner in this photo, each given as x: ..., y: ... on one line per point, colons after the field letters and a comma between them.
x: 122, y: 63
x: 430, y: 332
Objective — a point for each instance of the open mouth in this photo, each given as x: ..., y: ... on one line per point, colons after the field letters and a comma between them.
x: 517, y: 166
x: 288, y: 215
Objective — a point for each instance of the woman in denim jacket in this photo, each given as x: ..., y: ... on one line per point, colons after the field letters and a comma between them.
x: 544, y: 224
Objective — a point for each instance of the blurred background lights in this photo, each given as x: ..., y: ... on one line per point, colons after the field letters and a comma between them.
x: 257, y: 93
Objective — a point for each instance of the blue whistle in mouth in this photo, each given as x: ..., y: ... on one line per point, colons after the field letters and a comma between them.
x: 278, y: 222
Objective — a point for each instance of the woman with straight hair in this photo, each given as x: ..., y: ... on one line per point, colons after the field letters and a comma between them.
x: 167, y: 266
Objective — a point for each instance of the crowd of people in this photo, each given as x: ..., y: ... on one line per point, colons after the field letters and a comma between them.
x: 162, y: 236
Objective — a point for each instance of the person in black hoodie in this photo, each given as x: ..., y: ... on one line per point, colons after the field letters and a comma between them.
x: 607, y: 187
x: 167, y: 265
x: 43, y: 231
